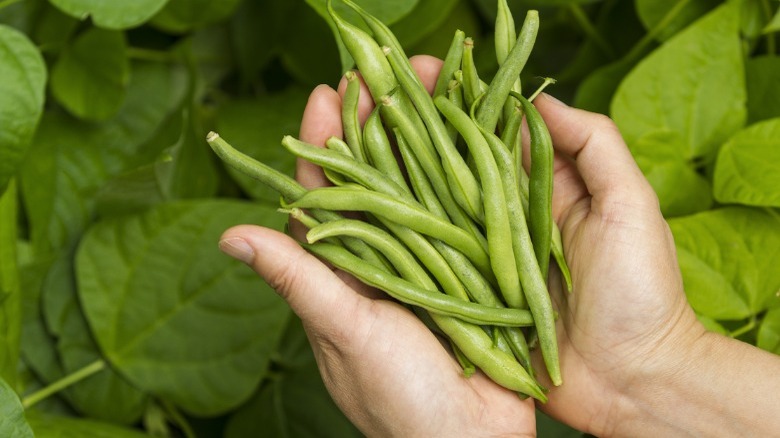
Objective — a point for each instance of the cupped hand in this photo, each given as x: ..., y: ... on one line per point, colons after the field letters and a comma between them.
x: 384, y: 368
x: 627, y: 321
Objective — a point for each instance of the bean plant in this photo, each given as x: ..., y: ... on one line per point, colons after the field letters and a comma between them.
x: 118, y: 315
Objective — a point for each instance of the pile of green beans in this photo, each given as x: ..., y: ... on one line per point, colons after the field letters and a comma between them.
x: 453, y: 225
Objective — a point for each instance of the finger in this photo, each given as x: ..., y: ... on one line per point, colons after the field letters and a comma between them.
x: 609, y: 171
x: 314, y: 292
x: 427, y: 68
x: 321, y: 120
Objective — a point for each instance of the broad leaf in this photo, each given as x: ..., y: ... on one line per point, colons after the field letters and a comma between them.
x: 438, y: 41
x: 693, y: 86
x: 712, y: 325
x: 55, y: 426
x: 154, y: 288
x: 774, y: 24
x: 90, y: 77
x: 111, y: 15
x: 423, y: 20
x: 23, y: 74
x: 727, y: 257
x: 596, y: 90
x: 180, y: 16
x: 12, y: 421
x: 256, y: 127
x: 72, y: 159
x: 672, y: 15
x: 284, y: 402
x: 309, y: 51
x: 763, y: 88
x: 769, y: 332
x: 748, y: 166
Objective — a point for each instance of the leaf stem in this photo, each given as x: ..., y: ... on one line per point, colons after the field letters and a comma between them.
x: 63, y: 383
x: 745, y: 328
x: 590, y: 30
x: 178, y: 419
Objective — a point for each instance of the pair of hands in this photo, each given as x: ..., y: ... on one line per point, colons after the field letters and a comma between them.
x: 624, y: 331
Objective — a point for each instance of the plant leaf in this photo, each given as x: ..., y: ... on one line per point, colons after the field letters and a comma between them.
x: 256, y: 127
x: 763, y: 88
x: 12, y: 420
x: 181, y: 16
x: 90, y: 77
x: 693, y: 85
x: 55, y: 426
x: 176, y: 317
x: 748, y: 166
x: 727, y: 257
x: 21, y: 98
x: 774, y: 24
x: 111, y: 15
x: 653, y: 12
x: 769, y: 332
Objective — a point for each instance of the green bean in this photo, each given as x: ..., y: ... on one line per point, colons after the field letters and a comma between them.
x: 380, y: 151
x: 289, y: 188
x: 531, y: 275
x: 401, y: 212
x: 455, y: 94
x: 540, y: 185
x: 505, y: 33
x: 492, y: 105
x: 519, y: 346
x: 472, y: 86
x: 349, y: 116
x: 357, y: 171
x: 464, y: 186
x: 498, y: 229
x: 407, y: 292
x: 432, y: 167
x: 451, y: 64
x: 368, y: 56
x: 421, y: 187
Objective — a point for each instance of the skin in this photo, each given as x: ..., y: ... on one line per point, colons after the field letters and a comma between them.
x: 635, y: 360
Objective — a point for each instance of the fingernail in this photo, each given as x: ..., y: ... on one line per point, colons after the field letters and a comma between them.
x: 554, y: 100
x: 237, y: 248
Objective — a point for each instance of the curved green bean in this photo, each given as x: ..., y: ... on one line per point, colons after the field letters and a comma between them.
x: 401, y: 212
x: 451, y: 64
x: 349, y: 116
x: 492, y: 105
x: 407, y: 292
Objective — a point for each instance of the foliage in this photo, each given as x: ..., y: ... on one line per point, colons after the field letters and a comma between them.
x: 112, y: 203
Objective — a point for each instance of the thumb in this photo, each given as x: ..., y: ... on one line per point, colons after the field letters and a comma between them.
x: 313, y: 291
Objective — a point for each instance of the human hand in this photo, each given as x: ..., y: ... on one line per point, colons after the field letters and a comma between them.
x: 384, y: 368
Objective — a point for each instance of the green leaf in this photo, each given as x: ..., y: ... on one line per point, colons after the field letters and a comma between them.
x: 774, y: 24
x: 684, y: 12
x: 748, y: 166
x: 769, y: 332
x: 181, y: 16
x: 763, y: 88
x: 256, y: 127
x: 12, y: 421
x: 111, y: 15
x: 727, y: 257
x: 309, y: 52
x: 680, y: 188
x: 90, y: 77
x: 72, y: 159
x: 293, y: 404
x: 55, y: 426
x: 693, y: 85
x: 21, y: 98
x: 437, y: 42
x: 174, y: 315
x: 596, y: 90
x: 712, y: 325
x: 10, y: 290
x: 425, y: 19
